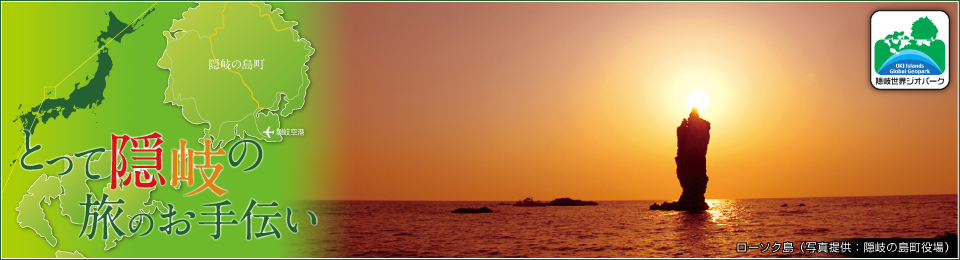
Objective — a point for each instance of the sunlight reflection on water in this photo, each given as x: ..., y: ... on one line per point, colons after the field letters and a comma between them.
x: 721, y: 210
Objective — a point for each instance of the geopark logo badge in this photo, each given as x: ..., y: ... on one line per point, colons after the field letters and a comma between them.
x: 909, y: 49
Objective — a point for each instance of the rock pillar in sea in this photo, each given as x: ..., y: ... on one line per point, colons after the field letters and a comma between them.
x: 693, y: 135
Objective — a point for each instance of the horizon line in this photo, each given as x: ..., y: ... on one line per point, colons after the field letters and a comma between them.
x: 941, y: 194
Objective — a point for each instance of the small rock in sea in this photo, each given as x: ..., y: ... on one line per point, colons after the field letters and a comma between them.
x: 676, y: 206
x: 947, y: 235
x: 570, y: 202
x: 655, y: 206
x: 529, y: 202
x: 664, y: 206
x: 473, y: 210
x: 670, y: 206
x: 802, y: 205
x: 784, y: 205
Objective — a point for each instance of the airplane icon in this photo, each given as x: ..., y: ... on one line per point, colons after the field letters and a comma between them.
x: 267, y: 132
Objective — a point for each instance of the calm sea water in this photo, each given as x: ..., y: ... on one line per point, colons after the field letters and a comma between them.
x: 614, y: 228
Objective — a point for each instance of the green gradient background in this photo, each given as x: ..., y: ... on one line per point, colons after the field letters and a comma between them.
x: 44, y: 42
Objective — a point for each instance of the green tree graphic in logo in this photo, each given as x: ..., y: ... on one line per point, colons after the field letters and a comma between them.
x: 922, y: 38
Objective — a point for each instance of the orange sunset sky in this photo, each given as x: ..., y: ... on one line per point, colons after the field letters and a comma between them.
x: 501, y: 101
